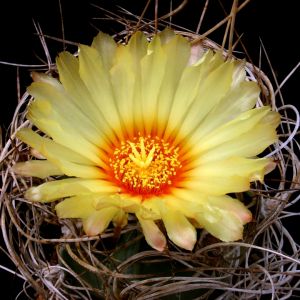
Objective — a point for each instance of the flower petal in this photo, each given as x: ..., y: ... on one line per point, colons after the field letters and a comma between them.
x: 120, y: 220
x: 137, y: 46
x: 68, y: 68
x: 134, y: 52
x: 53, y: 190
x: 127, y: 203
x: 186, y: 201
x: 238, y: 99
x: 176, y: 50
x: 224, y: 176
x: 69, y: 162
x: 106, y: 47
x: 224, y: 218
x: 165, y: 35
x: 45, y: 145
x: 75, y: 207
x: 53, y: 112
x: 152, y: 73
x: 36, y: 168
x: 231, y: 130
x: 123, y: 79
x: 217, y: 185
x: 226, y: 203
x: 97, y: 80
x: 152, y: 233
x: 247, y: 144
x: 180, y: 231
x: 186, y: 92
x: 74, y: 169
x: 208, y: 89
x: 98, y: 221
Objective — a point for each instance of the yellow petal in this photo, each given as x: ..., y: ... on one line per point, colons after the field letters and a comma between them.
x: 126, y: 80
x: 176, y: 50
x: 36, y: 168
x: 36, y: 154
x: 235, y: 206
x: 152, y: 233
x: 188, y: 202
x: 224, y: 218
x: 120, y: 220
x: 224, y: 176
x: 75, y: 207
x: 239, y: 99
x: 54, y: 190
x: 106, y: 47
x: 60, y: 112
x: 248, y: 144
x: 239, y: 74
x: 66, y: 138
x: 45, y: 145
x: 69, y: 162
x: 209, y: 95
x: 41, y: 77
x: 217, y: 185
x: 74, y: 169
x: 194, y: 203
x: 98, y: 221
x: 97, y: 80
x: 165, y: 35
x: 151, y: 209
x: 123, y: 79
x: 227, y: 167
x: 231, y: 130
x: 127, y: 203
x: 61, y: 105
x: 137, y: 46
x: 152, y: 72
x: 186, y: 93
x: 228, y: 228
x: 68, y: 68
x: 180, y: 231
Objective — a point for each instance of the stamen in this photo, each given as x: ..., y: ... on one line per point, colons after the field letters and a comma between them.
x: 145, y: 165
x: 143, y: 151
x: 150, y: 157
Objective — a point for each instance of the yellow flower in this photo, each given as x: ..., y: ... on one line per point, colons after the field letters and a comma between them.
x: 141, y: 129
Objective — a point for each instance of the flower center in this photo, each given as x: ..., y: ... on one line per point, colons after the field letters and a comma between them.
x: 145, y: 165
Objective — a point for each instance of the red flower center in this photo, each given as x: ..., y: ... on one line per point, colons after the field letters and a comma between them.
x: 145, y: 165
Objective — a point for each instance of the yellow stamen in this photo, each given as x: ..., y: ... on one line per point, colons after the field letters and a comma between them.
x: 145, y: 165
x: 141, y: 160
x: 143, y: 151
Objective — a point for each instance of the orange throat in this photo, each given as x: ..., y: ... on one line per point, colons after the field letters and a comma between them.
x: 145, y: 166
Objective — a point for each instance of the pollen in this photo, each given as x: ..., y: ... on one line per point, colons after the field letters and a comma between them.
x: 145, y: 165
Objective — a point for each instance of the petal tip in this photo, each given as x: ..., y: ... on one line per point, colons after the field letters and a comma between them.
x: 159, y: 243
x: 188, y: 242
x: 154, y: 237
x: 33, y: 194
x: 18, y: 168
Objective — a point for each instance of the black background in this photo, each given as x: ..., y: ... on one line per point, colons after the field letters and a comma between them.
x: 275, y: 23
